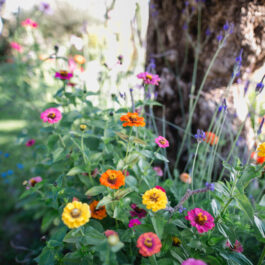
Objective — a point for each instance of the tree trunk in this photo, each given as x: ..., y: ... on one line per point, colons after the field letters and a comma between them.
x: 171, y: 41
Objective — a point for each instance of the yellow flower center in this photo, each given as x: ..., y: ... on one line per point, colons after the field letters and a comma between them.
x: 133, y: 118
x: 33, y: 182
x: 162, y: 141
x: 148, y: 242
x: 154, y: 197
x: 112, y: 178
x: 51, y: 115
x: 150, y: 77
x: 201, y: 219
x: 63, y: 73
x: 176, y: 241
x: 75, y: 213
x: 82, y: 127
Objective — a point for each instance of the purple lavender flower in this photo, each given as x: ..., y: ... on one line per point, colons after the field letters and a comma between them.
x: 223, y: 106
x: 246, y: 87
x: 260, y: 127
x: 200, y: 136
x: 219, y: 37
x: 209, y: 186
x: 45, y: 8
x: 182, y: 209
x: 226, y: 26
x: 259, y: 87
x: 185, y: 26
x: 152, y: 63
x: 208, y: 32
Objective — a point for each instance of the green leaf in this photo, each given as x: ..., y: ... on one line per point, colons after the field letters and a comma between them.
x: 147, y: 153
x: 161, y: 157
x: 46, y: 257
x: 106, y: 200
x: 139, y: 141
x: 238, y: 258
x: 75, y: 170
x: 58, y: 154
x: 95, y: 190
x: 260, y: 225
x: 245, y: 205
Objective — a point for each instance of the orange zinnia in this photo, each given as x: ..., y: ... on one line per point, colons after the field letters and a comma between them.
x: 79, y: 59
x: 211, y: 138
x: 112, y: 178
x: 132, y: 119
x: 260, y: 159
x: 99, y: 213
x: 185, y: 177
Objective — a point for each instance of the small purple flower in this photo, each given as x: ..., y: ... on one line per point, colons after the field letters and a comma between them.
x: 219, y: 37
x: 185, y: 26
x: 134, y: 222
x: 208, y: 32
x: 246, y: 87
x: 259, y: 87
x: 209, y: 186
x: 182, y: 209
x: 140, y: 213
x: 152, y: 64
x: 45, y: 8
x: 200, y: 136
x: 226, y: 26
x: 260, y: 127
x: 223, y: 106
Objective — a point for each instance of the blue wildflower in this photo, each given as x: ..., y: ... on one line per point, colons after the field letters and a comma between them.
x: 200, y: 136
x: 259, y: 87
x: 182, y: 209
x: 10, y: 172
x: 209, y: 186
x: 20, y: 166
x: 260, y: 127
x: 6, y: 155
x: 4, y: 175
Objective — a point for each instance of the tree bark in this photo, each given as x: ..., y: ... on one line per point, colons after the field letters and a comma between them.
x: 171, y: 41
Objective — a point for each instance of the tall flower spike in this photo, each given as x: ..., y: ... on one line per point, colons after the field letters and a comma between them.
x: 260, y: 126
x: 200, y: 136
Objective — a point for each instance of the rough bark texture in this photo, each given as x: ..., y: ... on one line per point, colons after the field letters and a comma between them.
x: 166, y: 43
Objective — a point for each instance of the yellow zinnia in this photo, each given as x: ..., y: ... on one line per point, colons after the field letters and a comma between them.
x: 261, y: 150
x: 155, y: 199
x: 76, y: 214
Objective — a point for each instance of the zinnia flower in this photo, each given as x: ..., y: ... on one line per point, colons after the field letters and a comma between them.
x: 33, y: 181
x: 162, y: 142
x: 155, y: 199
x: 132, y: 119
x: 260, y: 160
x: 185, y: 177
x: 112, y: 178
x: 176, y: 241
x: 110, y: 233
x: 134, y: 222
x: 211, y: 138
x: 140, y: 213
x: 160, y: 188
x: 16, y: 46
x: 201, y: 219
x: 193, y: 262
x: 63, y: 75
x: 158, y: 171
x: 79, y: 59
x: 99, y: 213
x: 29, y: 23
x: 30, y: 142
x: 148, y: 244
x: 261, y: 150
x: 237, y: 246
x: 51, y: 115
x: 76, y: 214
x: 149, y: 78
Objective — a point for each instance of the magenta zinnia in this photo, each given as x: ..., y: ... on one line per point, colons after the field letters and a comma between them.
x: 149, y: 78
x: 30, y: 142
x: 148, y: 244
x: 134, y: 222
x: 29, y: 23
x: 162, y: 142
x: 237, y: 246
x: 201, y: 219
x: 192, y: 261
x: 16, y: 46
x: 158, y: 171
x: 140, y: 213
x: 51, y: 115
x: 63, y: 75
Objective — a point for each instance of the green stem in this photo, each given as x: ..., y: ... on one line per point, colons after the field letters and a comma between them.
x: 193, y: 165
x: 153, y: 260
x: 224, y: 209
x: 61, y: 140
x: 261, y: 257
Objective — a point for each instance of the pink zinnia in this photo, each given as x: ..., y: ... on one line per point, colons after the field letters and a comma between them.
x: 51, y: 115
x: 30, y: 142
x: 16, y: 46
x: 139, y: 212
x: 201, y: 219
x: 110, y: 233
x: 160, y: 188
x: 158, y: 171
x: 193, y: 262
x: 148, y: 244
x: 237, y: 246
x: 29, y: 23
x: 162, y: 142
x: 64, y: 75
x: 149, y: 78
x: 33, y: 181
x: 134, y: 222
